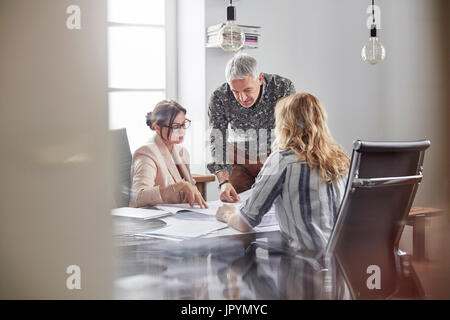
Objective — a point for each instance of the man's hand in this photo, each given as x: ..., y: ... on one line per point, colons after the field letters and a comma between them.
x: 228, y: 193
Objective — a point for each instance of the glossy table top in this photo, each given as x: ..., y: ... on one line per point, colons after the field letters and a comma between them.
x: 247, y: 266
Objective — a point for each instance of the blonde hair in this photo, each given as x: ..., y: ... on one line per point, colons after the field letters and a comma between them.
x: 301, y: 125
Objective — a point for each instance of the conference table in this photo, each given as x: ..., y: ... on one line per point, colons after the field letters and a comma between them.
x: 247, y: 266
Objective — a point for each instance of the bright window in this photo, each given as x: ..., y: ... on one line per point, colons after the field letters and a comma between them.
x: 137, y: 11
x: 137, y: 63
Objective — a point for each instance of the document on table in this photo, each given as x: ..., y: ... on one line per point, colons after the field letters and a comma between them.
x: 186, y: 225
x: 212, y: 205
x: 184, y: 207
x: 231, y: 231
x: 139, y: 213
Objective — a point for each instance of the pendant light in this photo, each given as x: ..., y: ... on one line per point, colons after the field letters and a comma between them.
x: 231, y: 36
x: 373, y: 52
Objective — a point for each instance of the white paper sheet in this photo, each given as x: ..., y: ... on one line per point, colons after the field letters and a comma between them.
x: 212, y: 205
x: 139, y: 213
x: 187, y: 225
x: 182, y: 207
x: 230, y: 231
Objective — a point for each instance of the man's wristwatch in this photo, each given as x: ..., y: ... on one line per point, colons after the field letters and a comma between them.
x: 223, y: 182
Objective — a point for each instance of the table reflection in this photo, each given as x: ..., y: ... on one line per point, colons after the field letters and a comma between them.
x: 254, y: 266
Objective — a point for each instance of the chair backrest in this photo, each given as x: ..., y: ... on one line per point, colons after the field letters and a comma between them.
x: 122, y: 165
x: 381, y: 186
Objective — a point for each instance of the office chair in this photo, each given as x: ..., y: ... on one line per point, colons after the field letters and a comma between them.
x: 122, y: 165
x: 381, y: 186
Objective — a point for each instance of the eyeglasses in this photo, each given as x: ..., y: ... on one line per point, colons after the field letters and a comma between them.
x: 185, y: 125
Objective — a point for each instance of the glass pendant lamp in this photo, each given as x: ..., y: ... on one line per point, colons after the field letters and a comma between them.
x: 231, y: 36
x: 373, y: 52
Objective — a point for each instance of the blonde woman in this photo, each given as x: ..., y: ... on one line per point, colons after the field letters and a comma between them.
x: 305, y: 177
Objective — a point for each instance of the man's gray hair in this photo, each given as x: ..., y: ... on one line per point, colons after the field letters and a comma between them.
x: 240, y: 67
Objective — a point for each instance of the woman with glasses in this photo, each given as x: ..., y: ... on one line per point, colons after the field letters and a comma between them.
x: 160, y: 170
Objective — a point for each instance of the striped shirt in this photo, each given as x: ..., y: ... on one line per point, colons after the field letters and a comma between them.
x: 305, y: 206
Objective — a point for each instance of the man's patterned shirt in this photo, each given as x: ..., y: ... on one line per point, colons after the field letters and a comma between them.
x: 225, y: 112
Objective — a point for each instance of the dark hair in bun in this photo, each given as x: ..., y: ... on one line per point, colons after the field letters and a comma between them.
x: 163, y: 111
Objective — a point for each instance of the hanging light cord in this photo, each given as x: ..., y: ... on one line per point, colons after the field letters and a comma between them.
x: 373, y: 12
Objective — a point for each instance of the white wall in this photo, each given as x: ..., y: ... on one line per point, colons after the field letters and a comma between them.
x: 317, y: 44
x: 54, y: 199
x: 416, y: 87
x: 191, y: 76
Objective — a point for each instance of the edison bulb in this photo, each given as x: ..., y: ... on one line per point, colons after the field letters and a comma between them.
x: 373, y: 52
x: 231, y: 36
